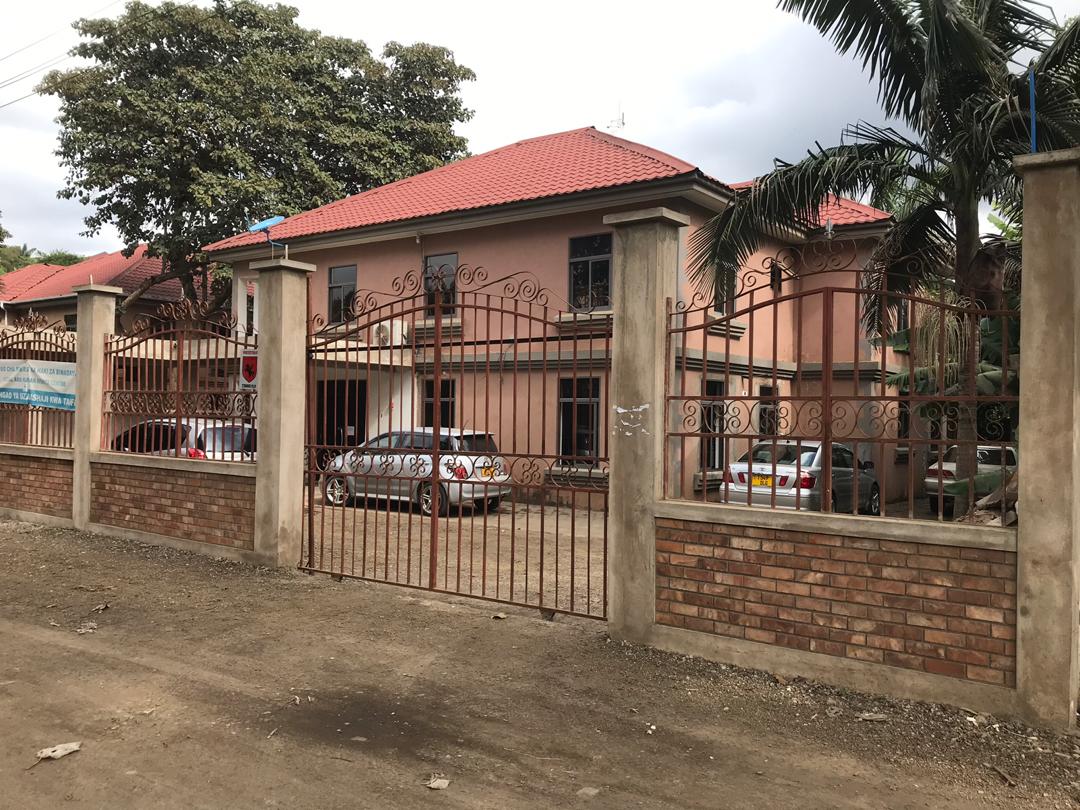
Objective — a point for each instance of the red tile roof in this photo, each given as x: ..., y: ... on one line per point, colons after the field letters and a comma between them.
x: 17, y: 282
x: 840, y: 210
x: 548, y: 166
x: 37, y: 282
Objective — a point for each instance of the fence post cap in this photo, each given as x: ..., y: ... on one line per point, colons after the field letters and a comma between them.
x: 1047, y: 160
x: 282, y: 264
x: 104, y: 289
x: 643, y: 215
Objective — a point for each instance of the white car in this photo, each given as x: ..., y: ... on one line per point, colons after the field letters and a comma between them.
x: 989, y: 459
x: 397, y: 466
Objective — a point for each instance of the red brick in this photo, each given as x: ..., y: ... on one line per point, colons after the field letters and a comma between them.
x: 899, y: 659
x: 986, y: 614
x: 986, y: 675
x: 764, y: 636
x: 827, y: 647
x: 865, y: 654
x: 953, y: 669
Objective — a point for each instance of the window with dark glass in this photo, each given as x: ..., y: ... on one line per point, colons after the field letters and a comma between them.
x: 725, y: 292
x: 590, y: 272
x: 249, y: 308
x: 440, y: 282
x: 712, y: 423
x: 579, y: 419
x: 447, y: 403
x: 342, y: 290
x: 71, y: 322
x: 767, y: 425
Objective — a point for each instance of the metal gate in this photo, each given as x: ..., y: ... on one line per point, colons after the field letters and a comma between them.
x: 457, y: 440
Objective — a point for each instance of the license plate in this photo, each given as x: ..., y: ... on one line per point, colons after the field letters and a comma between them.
x: 487, y: 472
x: 761, y: 480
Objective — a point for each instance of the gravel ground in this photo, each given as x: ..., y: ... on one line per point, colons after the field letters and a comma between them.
x: 210, y: 684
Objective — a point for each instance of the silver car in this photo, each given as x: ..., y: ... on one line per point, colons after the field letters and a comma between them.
x: 794, y: 470
x: 215, y: 439
x: 397, y: 466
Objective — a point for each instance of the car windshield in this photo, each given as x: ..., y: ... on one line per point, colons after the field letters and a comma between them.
x: 225, y: 440
x: 793, y: 454
x: 478, y: 443
x: 992, y: 456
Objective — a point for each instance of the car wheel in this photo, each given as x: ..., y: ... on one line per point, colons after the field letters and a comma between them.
x: 873, y: 505
x: 489, y: 504
x: 424, y: 499
x: 335, y: 491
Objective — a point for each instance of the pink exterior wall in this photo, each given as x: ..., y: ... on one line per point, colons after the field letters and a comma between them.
x: 518, y: 403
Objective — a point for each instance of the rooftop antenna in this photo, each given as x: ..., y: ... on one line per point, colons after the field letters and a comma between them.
x: 620, y: 119
x: 264, y: 227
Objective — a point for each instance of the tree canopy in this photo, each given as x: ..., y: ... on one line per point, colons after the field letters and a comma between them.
x: 189, y: 124
x: 954, y: 90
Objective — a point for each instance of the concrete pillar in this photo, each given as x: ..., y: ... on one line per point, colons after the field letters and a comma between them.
x: 644, y: 277
x: 279, y: 472
x: 1048, y: 547
x: 95, y: 318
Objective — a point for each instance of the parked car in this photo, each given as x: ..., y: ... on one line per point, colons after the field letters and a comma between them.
x: 941, y: 475
x: 397, y: 466
x: 190, y: 438
x: 795, y: 470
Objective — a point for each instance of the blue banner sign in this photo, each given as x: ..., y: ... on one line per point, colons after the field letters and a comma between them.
x: 40, y: 383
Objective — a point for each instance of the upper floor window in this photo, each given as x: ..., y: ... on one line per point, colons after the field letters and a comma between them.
x: 447, y: 403
x: 342, y: 289
x: 590, y: 272
x: 726, y: 290
x: 440, y: 282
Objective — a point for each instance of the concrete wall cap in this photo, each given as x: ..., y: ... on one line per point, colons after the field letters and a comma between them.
x: 641, y: 216
x: 1047, y: 160
x: 281, y: 264
x: 104, y: 289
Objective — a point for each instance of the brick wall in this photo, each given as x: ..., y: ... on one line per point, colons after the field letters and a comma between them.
x: 189, y: 505
x: 939, y: 609
x: 39, y: 485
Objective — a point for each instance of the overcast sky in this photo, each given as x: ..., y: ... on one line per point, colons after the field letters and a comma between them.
x: 726, y: 85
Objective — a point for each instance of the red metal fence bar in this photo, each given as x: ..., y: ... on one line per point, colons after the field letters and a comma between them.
x: 837, y: 389
x: 475, y: 461
x: 33, y: 347
x: 182, y: 383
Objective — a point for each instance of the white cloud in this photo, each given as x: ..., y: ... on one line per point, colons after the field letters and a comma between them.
x: 726, y: 85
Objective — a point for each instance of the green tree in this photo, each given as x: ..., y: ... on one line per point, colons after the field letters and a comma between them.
x: 192, y: 123
x: 946, y: 71
x: 950, y: 78
x: 4, y: 235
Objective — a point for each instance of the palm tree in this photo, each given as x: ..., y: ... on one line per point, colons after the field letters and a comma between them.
x: 948, y: 74
x: 952, y: 78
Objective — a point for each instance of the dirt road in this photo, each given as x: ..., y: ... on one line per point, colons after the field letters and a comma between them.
x: 209, y: 684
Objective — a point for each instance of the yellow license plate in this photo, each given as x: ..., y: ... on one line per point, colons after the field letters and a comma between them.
x: 487, y: 472
x: 761, y: 480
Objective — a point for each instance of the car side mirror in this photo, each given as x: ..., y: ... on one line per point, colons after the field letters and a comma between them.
x: 866, y: 465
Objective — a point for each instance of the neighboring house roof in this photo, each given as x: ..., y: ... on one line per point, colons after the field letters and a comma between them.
x: 840, y: 210
x: 38, y: 282
x: 17, y: 282
x: 549, y: 166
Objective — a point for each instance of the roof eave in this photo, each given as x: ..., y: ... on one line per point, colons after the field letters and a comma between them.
x: 694, y: 186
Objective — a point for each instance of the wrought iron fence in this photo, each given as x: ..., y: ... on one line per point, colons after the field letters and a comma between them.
x: 37, y: 373
x: 182, y: 382
x: 818, y: 384
x: 457, y: 440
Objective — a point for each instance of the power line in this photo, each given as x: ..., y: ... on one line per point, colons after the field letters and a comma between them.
x: 38, y: 68
x: 54, y: 33
x: 6, y: 82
